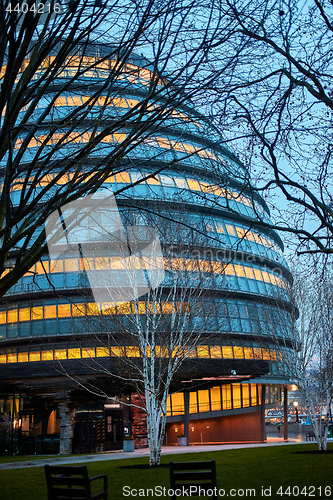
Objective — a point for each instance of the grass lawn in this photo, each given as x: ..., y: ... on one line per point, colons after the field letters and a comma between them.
x: 242, y: 469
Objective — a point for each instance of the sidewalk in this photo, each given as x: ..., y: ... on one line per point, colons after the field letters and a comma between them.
x: 144, y: 452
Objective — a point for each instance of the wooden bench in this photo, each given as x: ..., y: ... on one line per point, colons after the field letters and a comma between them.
x: 72, y: 482
x: 194, y: 477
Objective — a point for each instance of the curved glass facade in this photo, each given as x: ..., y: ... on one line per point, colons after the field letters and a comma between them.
x: 180, y: 173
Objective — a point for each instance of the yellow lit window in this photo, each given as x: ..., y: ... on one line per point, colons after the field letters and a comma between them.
x: 108, y: 308
x: 219, y: 227
x: 123, y: 177
x: 42, y: 268
x: 23, y: 357
x: 120, y: 138
x: 193, y: 402
x: 34, y: 356
x: 12, y: 357
x: 249, y: 272
x: 50, y: 312
x: 88, y: 352
x: 227, y: 352
x: 206, y: 188
x: 132, y: 102
x: 133, y: 352
x: 103, y: 352
x: 37, y: 313
x: 239, y: 271
x: 47, y: 355
x: 236, y: 395
x: 79, y: 309
x: 2, y: 317
x: 246, y: 394
x: 265, y: 354
x: 117, y: 263
x: 193, y: 185
x: 258, y: 275
x: 203, y: 398
x: 253, y: 395
x: 273, y: 355
x: 74, y: 353
x: 56, y: 266
x: 12, y: 316
x: 177, y: 401
x: 71, y: 265
x: 240, y: 232
x: 125, y: 308
x: 205, y: 266
x: 238, y: 352
x: 229, y: 270
x: 215, y: 351
x: 226, y: 397
x: 257, y: 353
x: 64, y: 310
x: 60, y: 101
x: 230, y: 229
x: 215, y: 398
x: 60, y: 354
x: 218, y: 191
x: 248, y: 352
x: 115, y: 351
x: 266, y: 277
x: 102, y: 263
x: 203, y: 351
x: 169, y: 406
x: 3, y: 358
x: 92, y: 309
x: 153, y: 181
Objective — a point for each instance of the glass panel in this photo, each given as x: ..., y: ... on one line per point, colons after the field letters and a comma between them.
x: 265, y: 353
x: 215, y: 398
x: 178, y: 403
x: 74, y: 353
x: 71, y: 265
x: 64, y: 310
x: 226, y: 397
x: 227, y: 352
x: 79, y: 309
x: 257, y: 353
x: 50, y: 312
x: 11, y: 357
x: 12, y: 316
x: 194, y: 185
x: 123, y: 176
x: 88, y: 352
x: 236, y: 395
x: 2, y: 317
x: 37, y: 313
x: 238, y: 352
x: 23, y: 357
x: 248, y: 352
x: 203, y: 397
x: 56, y: 266
x: 169, y: 406
x: 203, y: 351
x: 60, y: 354
x: 215, y: 352
x: 34, y: 356
x: 47, y: 355
x: 103, y: 352
x: 230, y: 229
x: 246, y: 394
x: 133, y: 352
x: 193, y: 402
x: 253, y: 394
x: 24, y: 314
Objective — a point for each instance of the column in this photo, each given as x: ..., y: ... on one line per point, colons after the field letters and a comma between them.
x: 262, y: 413
x: 67, y: 414
x: 186, y: 415
x: 285, y: 411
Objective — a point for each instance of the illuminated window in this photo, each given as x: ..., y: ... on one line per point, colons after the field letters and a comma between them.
x: 11, y: 357
x: 215, y: 352
x: 181, y: 183
x: 193, y: 402
x: 47, y: 355
x: 248, y: 352
x: 3, y: 358
x: 56, y: 266
x: 203, y: 351
x: 123, y: 176
x: 102, y: 263
x: 37, y: 313
x: 246, y: 394
x: 219, y: 227
x: 12, y: 316
x: 2, y: 317
x: 203, y: 399
x: 238, y: 352
x: 79, y: 310
x: 133, y: 352
x: 227, y: 352
x: 177, y: 401
x: 169, y: 406
x: 103, y: 352
x: 60, y: 354
x: 265, y: 354
x: 249, y: 272
x: 258, y: 275
x: 74, y: 353
x: 215, y: 398
x: 34, y: 356
x: 253, y: 395
x: 226, y: 397
x: 154, y: 181
x: 88, y: 352
x: 64, y: 310
x: 116, y: 351
x: 23, y: 357
x: 92, y: 309
x: 230, y: 229
x: 194, y: 185
x: 257, y: 353
x: 50, y: 312
x: 236, y: 396
x: 71, y: 265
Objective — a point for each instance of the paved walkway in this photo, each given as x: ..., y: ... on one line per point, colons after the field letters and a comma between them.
x: 144, y: 452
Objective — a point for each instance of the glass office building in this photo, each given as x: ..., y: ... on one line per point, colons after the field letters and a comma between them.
x: 182, y: 179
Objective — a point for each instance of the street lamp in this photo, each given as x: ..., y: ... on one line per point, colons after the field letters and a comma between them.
x: 296, y: 408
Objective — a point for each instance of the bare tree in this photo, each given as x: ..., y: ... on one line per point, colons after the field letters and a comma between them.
x: 56, y: 145
x: 304, y: 342
x: 274, y: 104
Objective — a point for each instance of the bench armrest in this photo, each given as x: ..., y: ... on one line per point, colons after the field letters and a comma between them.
x: 105, y: 480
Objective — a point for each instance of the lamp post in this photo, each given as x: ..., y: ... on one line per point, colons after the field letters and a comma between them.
x: 296, y: 408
